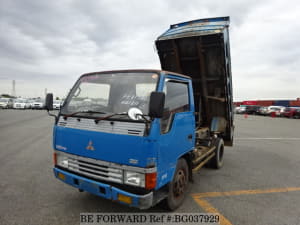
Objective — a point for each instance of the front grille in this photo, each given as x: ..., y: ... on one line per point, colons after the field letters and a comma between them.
x: 117, y: 127
x: 94, y: 168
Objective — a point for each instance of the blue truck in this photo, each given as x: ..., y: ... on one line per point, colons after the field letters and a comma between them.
x: 137, y: 136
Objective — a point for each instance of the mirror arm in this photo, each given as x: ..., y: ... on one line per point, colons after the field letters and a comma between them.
x: 50, y: 114
x: 147, y: 124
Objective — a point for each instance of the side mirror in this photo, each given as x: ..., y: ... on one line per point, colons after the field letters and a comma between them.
x: 49, y: 102
x: 156, y: 105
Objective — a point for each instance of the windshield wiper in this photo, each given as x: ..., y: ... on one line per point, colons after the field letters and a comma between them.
x: 144, y: 118
x: 105, y: 117
x: 84, y: 111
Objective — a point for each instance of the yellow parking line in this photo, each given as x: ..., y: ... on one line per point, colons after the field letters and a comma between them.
x: 245, y: 192
x: 199, y: 198
x: 210, y: 209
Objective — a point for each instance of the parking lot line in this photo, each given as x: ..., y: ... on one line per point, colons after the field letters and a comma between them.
x: 210, y: 209
x: 245, y: 192
x: 199, y: 198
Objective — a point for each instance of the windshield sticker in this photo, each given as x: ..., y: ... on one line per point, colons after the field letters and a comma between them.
x: 128, y: 99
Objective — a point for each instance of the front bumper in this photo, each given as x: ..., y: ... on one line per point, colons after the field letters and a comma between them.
x: 104, y: 190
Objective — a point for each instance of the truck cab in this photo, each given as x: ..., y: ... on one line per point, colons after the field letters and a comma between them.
x: 137, y: 136
x: 97, y: 136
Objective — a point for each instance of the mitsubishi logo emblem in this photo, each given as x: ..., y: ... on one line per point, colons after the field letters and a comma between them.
x: 90, y: 146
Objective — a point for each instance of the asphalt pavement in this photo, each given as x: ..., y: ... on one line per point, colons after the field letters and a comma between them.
x: 259, y: 183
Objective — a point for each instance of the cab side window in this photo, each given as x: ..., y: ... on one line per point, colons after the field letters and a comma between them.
x: 177, y: 100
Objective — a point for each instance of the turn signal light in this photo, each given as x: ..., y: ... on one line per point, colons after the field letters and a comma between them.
x: 150, y: 180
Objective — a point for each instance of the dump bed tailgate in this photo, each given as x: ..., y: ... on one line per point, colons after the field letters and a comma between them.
x: 195, y: 28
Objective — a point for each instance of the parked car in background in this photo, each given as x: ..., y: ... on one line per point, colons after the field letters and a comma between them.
x: 281, y: 113
x: 236, y: 109
x: 6, y: 103
x: 31, y: 101
x: 21, y: 104
x: 297, y: 114
x: 240, y: 109
x: 263, y: 110
x: 38, y: 104
x: 275, y: 110
x: 57, y: 104
x: 290, y: 112
x: 252, y: 109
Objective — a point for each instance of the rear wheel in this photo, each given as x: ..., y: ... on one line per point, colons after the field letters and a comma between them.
x: 178, y: 187
x: 217, y: 161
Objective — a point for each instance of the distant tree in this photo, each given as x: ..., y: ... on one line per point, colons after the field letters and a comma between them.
x: 57, y: 98
x: 7, y: 96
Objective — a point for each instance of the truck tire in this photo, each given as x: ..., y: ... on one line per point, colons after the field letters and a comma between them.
x: 178, y: 186
x: 217, y: 161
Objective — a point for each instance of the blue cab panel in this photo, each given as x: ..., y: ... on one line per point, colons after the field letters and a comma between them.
x: 116, y: 148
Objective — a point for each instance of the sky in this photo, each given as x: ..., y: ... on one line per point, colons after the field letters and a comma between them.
x: 49, y: 44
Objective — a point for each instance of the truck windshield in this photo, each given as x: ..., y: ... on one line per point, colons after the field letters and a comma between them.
x: 111, y: 93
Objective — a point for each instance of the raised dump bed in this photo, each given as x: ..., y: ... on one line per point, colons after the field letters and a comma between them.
x: 200, y: 49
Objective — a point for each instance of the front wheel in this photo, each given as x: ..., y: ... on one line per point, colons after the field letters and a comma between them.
x: 178, y: 186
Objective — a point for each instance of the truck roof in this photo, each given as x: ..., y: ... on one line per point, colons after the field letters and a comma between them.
x: 196, y: 28
x: 138, y: 70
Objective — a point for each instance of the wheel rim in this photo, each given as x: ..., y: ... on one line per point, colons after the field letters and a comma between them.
x: 180, y: 184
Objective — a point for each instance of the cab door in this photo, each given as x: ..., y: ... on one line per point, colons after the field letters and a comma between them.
x: 177, y: 126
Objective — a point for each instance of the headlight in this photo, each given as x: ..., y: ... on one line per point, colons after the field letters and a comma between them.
x: 62, y: 160
x: 134, y: 178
